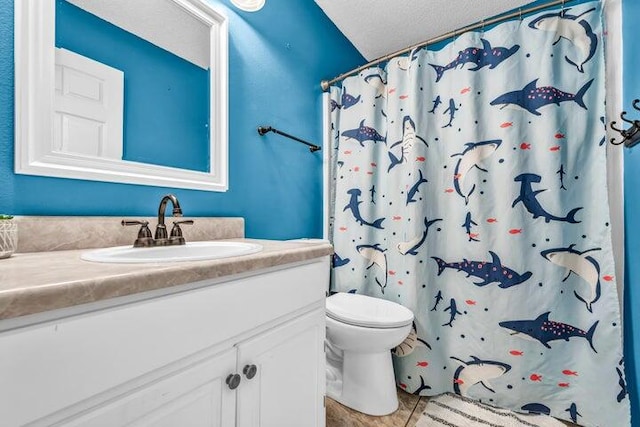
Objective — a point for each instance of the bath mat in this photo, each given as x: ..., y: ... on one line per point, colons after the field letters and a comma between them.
x: 451, y: 410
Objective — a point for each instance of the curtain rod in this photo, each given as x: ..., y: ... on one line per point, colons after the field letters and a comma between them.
x: 324, y: 84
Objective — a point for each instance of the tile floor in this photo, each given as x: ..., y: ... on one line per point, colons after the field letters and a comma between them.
x: 407, y: 415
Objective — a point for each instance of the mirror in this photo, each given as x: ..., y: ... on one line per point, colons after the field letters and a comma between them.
x: 96, y: 108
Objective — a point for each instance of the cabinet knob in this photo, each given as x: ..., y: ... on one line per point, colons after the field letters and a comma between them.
x: 250, y: 371
x: 233, y: 381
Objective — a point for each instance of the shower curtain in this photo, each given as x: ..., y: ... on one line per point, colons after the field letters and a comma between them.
x: 469, y: 185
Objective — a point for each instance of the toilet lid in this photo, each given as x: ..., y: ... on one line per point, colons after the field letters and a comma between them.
x: 361, y: 310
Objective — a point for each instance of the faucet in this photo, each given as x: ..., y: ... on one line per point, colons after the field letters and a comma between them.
x: 160, y: 238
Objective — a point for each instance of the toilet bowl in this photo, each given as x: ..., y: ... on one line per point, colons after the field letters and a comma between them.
x: 361, y: 331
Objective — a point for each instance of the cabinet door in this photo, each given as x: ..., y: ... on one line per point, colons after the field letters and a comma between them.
x: 194, y: 396
x: 288, y: 387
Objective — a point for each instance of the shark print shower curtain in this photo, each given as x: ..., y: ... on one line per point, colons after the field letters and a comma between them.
x: 470, y: 186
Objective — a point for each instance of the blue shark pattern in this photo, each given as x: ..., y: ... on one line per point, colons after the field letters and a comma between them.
x: 623, y: 385
x: 453, y: 311
x: 408, y: 141
x: 436, y: 104
x: 438, y: 298
x: 378, y: 83
x: 452, y: 113
x: 536, y: 408
x: 339, y: 262
x: 544, y: 330
x: 363, y: 133
x: 562, y: 173
x: 480, y: 181
x: 354, y: 207
x: 528, y: 197
x: 423, y: 386
x: 584, y: 266
x: 532, y: 97
x: 573, y: 412
x: 477, y: 371
x: 375, y: 255
x: 572, y: 28
x: 473, y: 153
x: 404, y: 62
x: 349, y: 101
x: 467, y: 225
x: 487, y: 271
x: 415, y: 188
x: 486, y: 56
x: 411, y: 247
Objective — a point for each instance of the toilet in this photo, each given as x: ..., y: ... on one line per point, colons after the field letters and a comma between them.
x: 361, y: 331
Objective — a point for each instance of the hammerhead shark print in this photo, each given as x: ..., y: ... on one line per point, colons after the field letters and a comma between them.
x: 528, y: 198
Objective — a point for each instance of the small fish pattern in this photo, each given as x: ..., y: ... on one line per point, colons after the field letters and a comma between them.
x: 478, y: 186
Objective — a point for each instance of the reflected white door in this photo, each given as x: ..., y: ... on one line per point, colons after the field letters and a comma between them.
x: 88, y: 107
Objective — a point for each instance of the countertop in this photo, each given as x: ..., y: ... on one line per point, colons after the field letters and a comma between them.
x: 36, y: 282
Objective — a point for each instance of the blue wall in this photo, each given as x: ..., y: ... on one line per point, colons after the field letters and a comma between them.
x: 277, y: 58
x: 631, y: 89
x: 166, y: 98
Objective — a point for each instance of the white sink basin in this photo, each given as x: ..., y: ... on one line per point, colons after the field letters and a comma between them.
x: 192, y: 251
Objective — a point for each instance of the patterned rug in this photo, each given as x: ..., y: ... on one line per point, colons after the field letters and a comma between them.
x: 451, y: 410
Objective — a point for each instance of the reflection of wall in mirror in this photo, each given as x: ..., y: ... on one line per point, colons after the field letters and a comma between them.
x: 166, y: 99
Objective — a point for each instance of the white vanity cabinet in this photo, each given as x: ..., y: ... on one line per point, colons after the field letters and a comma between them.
x: 166, y: 361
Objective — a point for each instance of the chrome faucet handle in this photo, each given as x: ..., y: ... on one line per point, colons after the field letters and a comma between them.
x: 144, y: 234
x: 176, y: 237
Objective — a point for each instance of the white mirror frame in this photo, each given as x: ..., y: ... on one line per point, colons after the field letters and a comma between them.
x: 34, y: 96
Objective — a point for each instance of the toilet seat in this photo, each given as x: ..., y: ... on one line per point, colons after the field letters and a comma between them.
x: 368, y: 312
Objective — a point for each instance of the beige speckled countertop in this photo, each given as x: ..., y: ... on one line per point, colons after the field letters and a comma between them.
x: 41, y: 281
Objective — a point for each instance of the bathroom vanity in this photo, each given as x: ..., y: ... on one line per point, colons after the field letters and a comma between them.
x: 228, y: 342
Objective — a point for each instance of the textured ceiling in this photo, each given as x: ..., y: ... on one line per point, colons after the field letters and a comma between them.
x: 379, y: 27
x: 160, y: 22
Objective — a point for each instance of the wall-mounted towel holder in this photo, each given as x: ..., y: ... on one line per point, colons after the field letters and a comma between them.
x: 631, y: 136
x: 266, y: 129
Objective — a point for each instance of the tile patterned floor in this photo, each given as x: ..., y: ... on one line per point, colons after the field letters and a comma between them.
x: 407, y: 415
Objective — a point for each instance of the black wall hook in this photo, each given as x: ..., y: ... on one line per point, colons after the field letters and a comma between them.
x: 631, y: 136
x: 262, y: 130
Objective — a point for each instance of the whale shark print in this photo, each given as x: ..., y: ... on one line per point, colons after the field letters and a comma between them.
x: 533, y: 97
x: 486, y: 56
x: 487, y: 271
x: 468, y: 184
x: 348, y: 100
x: 363, y: 133
x: 544, y: 330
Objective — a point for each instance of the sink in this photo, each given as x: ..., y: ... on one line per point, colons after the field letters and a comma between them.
x: 192, y: 251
